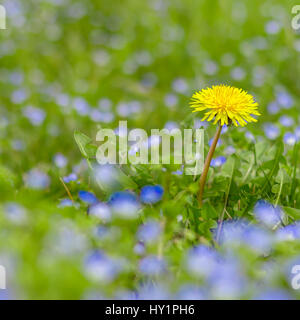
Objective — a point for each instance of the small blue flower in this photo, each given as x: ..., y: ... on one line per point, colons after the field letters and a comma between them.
x: 289, y: 139
x: 297, y: 133
x: 271, y: 131
x: 124, y: 204
x: 87, y: 197
x: 100, y: 210
x: 70, y: 177
x: 286, y: 121
x: 152, y: 194
x: 152, y: 266
x: 100, y: 267
x: 285, y: 100
x: 201, y: 260
x: 274, y: 294
x: 65, y: 203
x: 290, y: 232
x: 191, y: 292
x: 218, y: 161
x: 37, y: 179
x: 149, y: 232
x: 267, y: 213
x: 273, y: 108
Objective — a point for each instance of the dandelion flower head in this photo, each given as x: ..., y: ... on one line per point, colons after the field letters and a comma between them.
x: 225, y: 105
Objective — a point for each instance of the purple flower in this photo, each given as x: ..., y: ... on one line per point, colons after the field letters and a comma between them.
x: 87, y: 197
x: 152, y: 194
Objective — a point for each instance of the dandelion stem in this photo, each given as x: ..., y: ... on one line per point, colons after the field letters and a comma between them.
x: 207, y: 165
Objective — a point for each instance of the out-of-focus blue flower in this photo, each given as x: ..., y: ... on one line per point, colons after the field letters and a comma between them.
x: 250, y: 136
x: 153, y: 291
x: 289, y: 139
x: 218, y: 161
x: 230, y: 150
x: 65, y: 203
x: 224, y: 129
x: 267, y: 214
x: 274, y: 294
x: 238, y: 73
x: 180, y: 85
x: 286, y: 121
x: 70, y: 177
x: 285, y: 100
x: 191, y: 292
x: 101, y: 268
x: 149, y: 232
x: 218, y: 144
x: 60, y: 160
x: 19, y: 96
x: 15, y: 212
x: 152, y: 266
x: 81, y: 106
x: 152, y: 194
x: 101, y: 211
x: 227, y: 280
x: 290, y: 232
x: 139, y: 248
x: 272, y: 27
x: 257, y: 239
x: 273, y: 108
x: 35, y: 115
x: 37, y: 179
x: 171, y: 100
x: 231, y: 231
x: 124, y: 204
x: 126, y: 295
x: 297, y: 133
x: 87, y: 197
x: 271, y: 131
x: 201, y: 260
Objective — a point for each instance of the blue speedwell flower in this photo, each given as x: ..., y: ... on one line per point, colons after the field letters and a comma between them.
x: 289, y: 139
x: 152, y: 194
x: 149, y: 232
x: 152, y: 266
x: 70, y: 177
x: 271, y: 131
x: 87, y: 197
x: 124, y: 204
x: 218, y: 162
x: 100, y: 267
x: 267, y: 213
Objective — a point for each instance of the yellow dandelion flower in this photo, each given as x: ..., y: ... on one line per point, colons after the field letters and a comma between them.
x: 227, y: 105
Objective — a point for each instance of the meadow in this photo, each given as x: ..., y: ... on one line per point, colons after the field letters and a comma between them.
x: 73, y: 229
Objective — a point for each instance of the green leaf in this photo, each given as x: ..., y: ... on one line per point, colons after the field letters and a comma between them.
x: 82, y: 141
x: 292, y: 212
